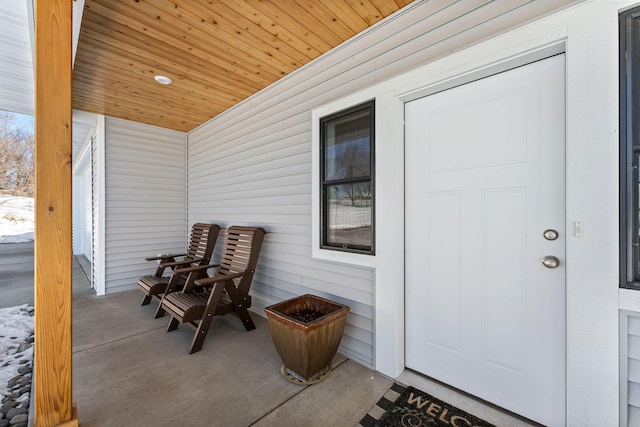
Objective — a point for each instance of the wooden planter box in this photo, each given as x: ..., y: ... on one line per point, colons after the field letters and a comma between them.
x: 306, y: 348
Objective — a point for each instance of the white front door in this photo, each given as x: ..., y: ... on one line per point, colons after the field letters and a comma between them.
x: 485, y: 178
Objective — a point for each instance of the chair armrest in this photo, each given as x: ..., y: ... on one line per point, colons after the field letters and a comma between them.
x: 155, y: 258
x: 221, y: 278
x: 194, y: 268
x: 178, y: 263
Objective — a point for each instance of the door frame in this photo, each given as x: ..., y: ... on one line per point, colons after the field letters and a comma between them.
x: 587, y: 34
x: 390, y: 360
x: 79, y: 203
x: 85, y: 205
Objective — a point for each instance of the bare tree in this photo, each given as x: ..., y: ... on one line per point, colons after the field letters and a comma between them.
x: 17, y: 174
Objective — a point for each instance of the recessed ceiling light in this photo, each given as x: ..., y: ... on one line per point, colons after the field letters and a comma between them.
x: 163, y: 80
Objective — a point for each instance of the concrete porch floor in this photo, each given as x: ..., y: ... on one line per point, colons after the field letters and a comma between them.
x: 128, y: 371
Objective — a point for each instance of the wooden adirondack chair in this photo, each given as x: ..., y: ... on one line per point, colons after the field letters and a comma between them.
x: 203, y: 240
x: 227, y: 291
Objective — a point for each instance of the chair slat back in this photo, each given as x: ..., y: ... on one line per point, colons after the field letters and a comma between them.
x: 240, y: 253
x: 203, y: 237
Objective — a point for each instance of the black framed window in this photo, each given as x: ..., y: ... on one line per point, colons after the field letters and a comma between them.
x: 347, y: 143
x: 629, y: 22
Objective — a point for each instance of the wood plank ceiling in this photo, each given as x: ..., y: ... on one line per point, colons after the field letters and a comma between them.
x: 217, y: 52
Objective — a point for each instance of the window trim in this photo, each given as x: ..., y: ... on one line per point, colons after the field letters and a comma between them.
x: 629, y: 57
x: 370, y: 106
x: 318, y: 253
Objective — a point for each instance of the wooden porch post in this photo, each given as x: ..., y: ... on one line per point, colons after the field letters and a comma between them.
x: 53, y: 253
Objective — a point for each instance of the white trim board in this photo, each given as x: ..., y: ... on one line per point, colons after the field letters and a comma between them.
x: 318, y: 253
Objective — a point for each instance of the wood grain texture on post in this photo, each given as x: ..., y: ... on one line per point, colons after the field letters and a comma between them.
x: 53, y: 249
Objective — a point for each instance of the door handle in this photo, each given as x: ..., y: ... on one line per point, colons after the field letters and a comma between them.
x: 550, y: 261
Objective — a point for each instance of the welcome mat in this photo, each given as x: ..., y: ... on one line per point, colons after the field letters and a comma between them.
x: 409, y: 407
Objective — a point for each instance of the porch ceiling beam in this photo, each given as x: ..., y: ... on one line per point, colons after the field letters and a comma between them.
x: 53, y: 253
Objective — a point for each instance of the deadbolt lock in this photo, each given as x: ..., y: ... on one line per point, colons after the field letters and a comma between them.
x: 550, y: 234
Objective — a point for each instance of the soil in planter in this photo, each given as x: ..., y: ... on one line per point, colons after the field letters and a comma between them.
x: 305, y: 316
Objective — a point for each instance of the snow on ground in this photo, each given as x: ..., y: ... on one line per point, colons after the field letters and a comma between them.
x: 16, y: 323
x: 16, y: 326
x: 16, y: 219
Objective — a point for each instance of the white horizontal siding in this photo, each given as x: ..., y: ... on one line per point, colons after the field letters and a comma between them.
x: 252, y: 164
x: 630, y: 368
x: 145, y: 199
x: 16, y: 60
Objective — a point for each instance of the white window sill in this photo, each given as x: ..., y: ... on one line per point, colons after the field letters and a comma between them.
x: 341, y: 257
